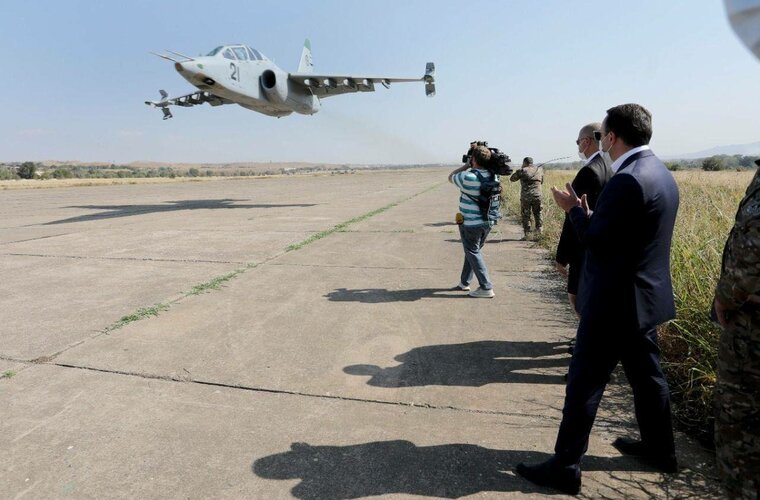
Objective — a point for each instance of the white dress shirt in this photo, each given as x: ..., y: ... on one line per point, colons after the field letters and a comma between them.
x: 617, y: 163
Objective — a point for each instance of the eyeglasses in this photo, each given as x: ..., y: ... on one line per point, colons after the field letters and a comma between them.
x: 578, y: 141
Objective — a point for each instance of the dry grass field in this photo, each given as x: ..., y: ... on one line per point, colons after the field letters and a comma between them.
x: 708, y: 204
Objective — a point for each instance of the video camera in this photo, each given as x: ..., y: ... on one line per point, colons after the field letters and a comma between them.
x: 499, y: 162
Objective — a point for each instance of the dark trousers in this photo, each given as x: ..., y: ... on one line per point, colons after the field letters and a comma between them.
x: 595, y: 356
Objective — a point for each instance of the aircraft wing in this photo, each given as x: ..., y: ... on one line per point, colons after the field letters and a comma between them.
x: 330, y: 85
x: 186, y: 101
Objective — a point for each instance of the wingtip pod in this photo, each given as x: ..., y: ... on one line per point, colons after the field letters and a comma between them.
x: 430, y: 70
x: 429, y: 79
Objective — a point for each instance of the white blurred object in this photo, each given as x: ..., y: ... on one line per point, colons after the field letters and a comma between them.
x: 744, y: 16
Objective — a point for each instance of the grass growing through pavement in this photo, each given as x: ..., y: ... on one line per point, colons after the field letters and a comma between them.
x: 689, y: 343
x: 342, y: 227
x: 339, y: 228
x: 216, y: 283
x: 155, y: 310
x: 144, y: 312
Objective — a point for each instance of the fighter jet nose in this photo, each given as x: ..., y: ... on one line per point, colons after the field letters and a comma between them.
x: 179, y: 67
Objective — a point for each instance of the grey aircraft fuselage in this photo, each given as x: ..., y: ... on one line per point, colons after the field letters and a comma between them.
x: 238, y: 74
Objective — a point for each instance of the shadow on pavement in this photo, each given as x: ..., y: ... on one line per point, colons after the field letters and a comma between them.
x: 441, y: 224
x: 472, y: 364
x: 380, y: 295
x: 115, y: 211
x: 401, y: 467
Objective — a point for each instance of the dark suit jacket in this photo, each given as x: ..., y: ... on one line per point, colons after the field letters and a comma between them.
x: 590, y: 180
x: 626, y: 281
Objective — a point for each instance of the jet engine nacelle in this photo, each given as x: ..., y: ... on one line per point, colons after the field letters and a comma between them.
x: 275, y: 85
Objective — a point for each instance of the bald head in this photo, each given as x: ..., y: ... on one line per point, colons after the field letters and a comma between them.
x: 588, y: 130
x: 586, y: 142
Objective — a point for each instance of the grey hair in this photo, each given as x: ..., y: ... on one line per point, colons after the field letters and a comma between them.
x: 588, y: 130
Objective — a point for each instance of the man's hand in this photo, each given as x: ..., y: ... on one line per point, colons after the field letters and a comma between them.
x: 567, y: 200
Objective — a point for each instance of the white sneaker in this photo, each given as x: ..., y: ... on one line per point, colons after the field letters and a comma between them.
x: 482, y: 293
x: 463, y: 287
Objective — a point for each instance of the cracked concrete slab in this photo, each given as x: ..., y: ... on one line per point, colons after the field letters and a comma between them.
x: 50, y: 304
x: 392, y: 335
x: 71, y: 432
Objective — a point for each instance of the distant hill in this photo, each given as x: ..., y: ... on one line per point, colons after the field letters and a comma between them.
x: 751, y: 149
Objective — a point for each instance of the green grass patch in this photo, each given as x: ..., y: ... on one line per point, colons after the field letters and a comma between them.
x: 8, y: 374
x: 142, y: 313
x: 216, y: 283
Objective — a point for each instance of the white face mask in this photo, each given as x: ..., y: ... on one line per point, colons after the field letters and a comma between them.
x: 605, y: 154
x: 744, y: 16
x: 582, y: 155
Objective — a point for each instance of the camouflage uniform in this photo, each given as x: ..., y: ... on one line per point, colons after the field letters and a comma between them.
x: 737, y: 391
x: 530, y: 178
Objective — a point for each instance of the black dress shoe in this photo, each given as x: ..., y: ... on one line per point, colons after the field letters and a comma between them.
x: 662, y: 461
x: 550, y: 475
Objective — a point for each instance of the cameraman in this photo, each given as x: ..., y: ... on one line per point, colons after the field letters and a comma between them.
x: 474, y: 226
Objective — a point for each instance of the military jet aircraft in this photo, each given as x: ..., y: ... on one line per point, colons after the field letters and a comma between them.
x: 238, y: 74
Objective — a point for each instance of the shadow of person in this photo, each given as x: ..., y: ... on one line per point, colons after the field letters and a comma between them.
x: 472, y: 364
x: 381, y: 295
x: 401, y: 467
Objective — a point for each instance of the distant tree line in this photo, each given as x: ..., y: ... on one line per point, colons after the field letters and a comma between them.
x: 32, y: 170
x: 711, y: 164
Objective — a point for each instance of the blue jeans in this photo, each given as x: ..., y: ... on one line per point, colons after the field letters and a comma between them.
x: 473, y: 239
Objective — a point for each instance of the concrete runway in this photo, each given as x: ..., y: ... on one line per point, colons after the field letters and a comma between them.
x: 285, y: 337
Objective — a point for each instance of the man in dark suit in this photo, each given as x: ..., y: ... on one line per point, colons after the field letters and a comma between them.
x: 625, y: 292
x: 589, y: 180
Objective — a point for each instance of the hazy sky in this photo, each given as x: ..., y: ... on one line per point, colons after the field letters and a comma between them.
x: 524, y: 75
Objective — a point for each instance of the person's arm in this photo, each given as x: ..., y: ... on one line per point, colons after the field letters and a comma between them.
x: 566, y: 243
x: 456, y: 171
x: 612, y: 225
x: 586, y: 182
x: 516, y: 176
x: 740, y: 279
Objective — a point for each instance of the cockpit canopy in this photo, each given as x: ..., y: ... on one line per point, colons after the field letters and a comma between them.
x: 238, y: 53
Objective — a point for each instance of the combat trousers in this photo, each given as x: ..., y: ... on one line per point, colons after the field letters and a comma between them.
x: 473, y: 239
x: 528, y: 205
x: 737, y: 405
x: 596, y: 354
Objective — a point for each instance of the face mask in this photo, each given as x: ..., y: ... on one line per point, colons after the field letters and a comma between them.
x: 582, y: 156
x: 744, y: 16
x: 605, y: 154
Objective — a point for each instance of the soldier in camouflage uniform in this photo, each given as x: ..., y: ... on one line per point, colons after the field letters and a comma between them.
x: 530, y: 178
x: 737, y: 392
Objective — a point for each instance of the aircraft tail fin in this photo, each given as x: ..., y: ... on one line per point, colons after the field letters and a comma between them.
x: 306, y: 65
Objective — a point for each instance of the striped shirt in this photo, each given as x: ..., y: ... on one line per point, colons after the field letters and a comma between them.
x: 468, y: 183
